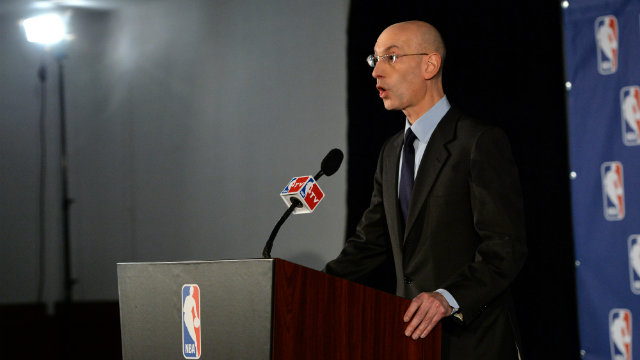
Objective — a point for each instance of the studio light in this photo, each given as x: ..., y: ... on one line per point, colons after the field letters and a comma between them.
x: 50, y: 29
x: 45, y: 29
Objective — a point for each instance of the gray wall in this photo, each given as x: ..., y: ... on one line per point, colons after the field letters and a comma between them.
x: 185, y: 120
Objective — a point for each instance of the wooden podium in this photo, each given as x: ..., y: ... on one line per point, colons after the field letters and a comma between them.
x: 263, y: 309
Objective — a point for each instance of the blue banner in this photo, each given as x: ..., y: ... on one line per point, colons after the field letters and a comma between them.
x: 602, y: 54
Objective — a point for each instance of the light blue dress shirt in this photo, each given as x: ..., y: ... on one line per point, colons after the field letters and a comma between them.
x: 423, y: 128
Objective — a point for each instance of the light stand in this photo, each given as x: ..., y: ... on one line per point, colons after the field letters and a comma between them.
x: 66, y: 201
x: 49, y: 29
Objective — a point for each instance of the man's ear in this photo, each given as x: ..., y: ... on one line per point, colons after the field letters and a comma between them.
x: 431, y: 65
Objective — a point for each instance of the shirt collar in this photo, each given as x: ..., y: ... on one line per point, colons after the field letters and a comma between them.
x: 424, y: 126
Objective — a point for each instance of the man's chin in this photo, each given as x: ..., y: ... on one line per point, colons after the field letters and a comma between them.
x: 389, y: 105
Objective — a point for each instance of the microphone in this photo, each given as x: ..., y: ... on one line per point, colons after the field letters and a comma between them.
x: 303, y: 194
x: 331, y: 163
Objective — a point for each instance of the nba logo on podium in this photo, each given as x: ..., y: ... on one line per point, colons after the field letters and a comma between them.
x: 612, y: 190
x: 634, y: 263
x: 630, y: 111
x: 191, y: 340
x: 620, y: 334
x: 606, y: 31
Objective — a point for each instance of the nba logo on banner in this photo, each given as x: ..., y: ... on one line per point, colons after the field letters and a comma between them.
x: 634, y: 263
x: 620, y: 334
x: 606, y: 30
x: 630, y: 111
x: 191, y: 339
x: 612, y: 190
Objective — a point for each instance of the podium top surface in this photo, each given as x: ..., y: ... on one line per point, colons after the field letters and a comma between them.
x: 195, y: 261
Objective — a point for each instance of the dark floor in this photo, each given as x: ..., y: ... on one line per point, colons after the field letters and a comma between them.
x: 30, y: 333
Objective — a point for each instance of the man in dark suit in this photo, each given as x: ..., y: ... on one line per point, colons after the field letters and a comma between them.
x: 446, y: 202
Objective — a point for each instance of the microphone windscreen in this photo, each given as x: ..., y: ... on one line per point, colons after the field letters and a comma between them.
x: 331, y: 163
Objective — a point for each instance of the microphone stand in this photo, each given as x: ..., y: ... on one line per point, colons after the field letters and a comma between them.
x: 266, y: 253
x: 295, y: 203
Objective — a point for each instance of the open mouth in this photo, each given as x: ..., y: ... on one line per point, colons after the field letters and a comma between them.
x: 381, y: 90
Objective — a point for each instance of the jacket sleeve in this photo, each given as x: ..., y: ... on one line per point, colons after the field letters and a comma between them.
x: 369, y: 247
x: 498, y: 219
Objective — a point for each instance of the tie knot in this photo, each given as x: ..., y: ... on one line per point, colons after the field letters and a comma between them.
x: 409, y: 137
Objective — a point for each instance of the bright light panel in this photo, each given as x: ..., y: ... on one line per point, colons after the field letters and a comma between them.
x: 44, y: 29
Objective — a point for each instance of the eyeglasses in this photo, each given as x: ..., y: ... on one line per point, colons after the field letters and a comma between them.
x: 372, y: 60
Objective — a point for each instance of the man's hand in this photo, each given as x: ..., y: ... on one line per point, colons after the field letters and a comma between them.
x: 424, y: 312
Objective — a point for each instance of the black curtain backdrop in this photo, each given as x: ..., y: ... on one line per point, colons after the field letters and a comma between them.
x: 504, y: 66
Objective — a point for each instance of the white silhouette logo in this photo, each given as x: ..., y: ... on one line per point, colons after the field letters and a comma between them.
x: 630, y: 112
x: 612, y: 190
x: 634, y: 263
x: 606, y: 32
x: 620, y: 334
x: 191, y: 339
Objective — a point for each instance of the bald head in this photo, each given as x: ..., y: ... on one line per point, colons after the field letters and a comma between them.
x: 420, y: 36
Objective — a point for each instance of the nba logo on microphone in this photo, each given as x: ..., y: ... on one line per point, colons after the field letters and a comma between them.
x: 630, y: 111
x: 606, y: 31
x: 295, y: 185
x: 620, y: 334
x: 312, y: 195
x: 306, y: 190
x: 191, y: 339
x: 634, y: 263
x: 612, y: 190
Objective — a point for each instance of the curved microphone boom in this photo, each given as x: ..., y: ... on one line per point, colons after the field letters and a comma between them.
x: 330, y: 164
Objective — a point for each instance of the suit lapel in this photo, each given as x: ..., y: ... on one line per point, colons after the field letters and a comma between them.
x: 434, y: 158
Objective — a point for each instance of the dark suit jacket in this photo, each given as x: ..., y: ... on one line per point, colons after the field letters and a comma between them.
x: 464, y: 233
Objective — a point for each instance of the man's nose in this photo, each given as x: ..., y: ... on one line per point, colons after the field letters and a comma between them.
x: 377, y: 70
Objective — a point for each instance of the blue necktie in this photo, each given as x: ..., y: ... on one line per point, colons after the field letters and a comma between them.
x: 407, y: 172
